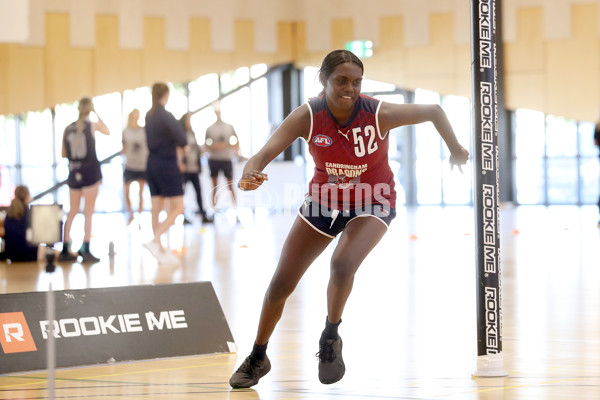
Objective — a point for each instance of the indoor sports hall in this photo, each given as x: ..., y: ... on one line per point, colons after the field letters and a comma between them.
x: 465, y: 297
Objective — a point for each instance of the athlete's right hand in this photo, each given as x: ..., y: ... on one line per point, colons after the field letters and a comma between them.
x: 251, y: 180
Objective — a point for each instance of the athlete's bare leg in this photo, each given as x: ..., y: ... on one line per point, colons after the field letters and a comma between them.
x: 90, y: 194
x: 302, y: 246
x: 358, y: 238
x: 215, y: 180
x: 128, y: 200
x: 174, y: 208
x: 141, y: 183
x: 232, y: 190
x: 158, y: 203
x: 74, y: 204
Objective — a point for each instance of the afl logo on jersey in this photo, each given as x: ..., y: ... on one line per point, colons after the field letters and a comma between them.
x: 322, y: 141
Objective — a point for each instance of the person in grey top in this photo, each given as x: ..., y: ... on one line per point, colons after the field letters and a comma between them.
x: 222, y: 145
x: 135, y: 150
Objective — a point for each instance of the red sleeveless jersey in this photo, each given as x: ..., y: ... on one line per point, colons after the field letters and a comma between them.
x: 351, y: 161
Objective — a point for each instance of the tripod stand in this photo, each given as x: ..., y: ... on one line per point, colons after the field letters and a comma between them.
x: 50, y: 317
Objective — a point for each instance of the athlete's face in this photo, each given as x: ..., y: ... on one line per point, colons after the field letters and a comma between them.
x: 343, y: 86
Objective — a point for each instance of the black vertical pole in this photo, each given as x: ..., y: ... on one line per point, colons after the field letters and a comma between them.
x: 486, y: 187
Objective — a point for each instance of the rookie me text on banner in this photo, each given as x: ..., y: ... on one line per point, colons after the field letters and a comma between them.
x: 121, y: 323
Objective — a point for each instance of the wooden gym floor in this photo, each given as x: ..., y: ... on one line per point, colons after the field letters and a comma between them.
x: 409, y: 327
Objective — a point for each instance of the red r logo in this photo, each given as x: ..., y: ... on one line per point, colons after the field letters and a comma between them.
x: 15, y: 336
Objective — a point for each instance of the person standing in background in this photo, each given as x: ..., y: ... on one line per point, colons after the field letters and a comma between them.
x: 222, y: 145
x: 135, y: 150
x: 193, y: 163
x: 164, y: 136
x: 85, y: 176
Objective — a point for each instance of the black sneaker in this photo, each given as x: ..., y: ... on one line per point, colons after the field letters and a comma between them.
x: 66, y: 256
x: 88, y: 257
x: 331, y: 364
x: 250, y: 372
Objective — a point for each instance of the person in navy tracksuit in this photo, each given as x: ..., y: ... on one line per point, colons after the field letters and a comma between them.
x: 166, y: 141
x: 352, y: 193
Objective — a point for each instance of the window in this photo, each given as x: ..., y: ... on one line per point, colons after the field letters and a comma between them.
x: 236, y: 110
x: 178, y: 101
x: 589, y: 166
x: 234, y: 79
x: 436, y: 182
x: 141, y: 99
x: 312, y: 86
x: 529, y: 152
x: 562, y: 164
x: 8, y: 158
x: 109, y: 108
x: 428, y: 155
x: 37, y: 161
x: 554, y: 157
x: 203, y: 91
x: 261, y: 130
x: 398, y: 143
x: 456, y: 186
x: 556, y: 162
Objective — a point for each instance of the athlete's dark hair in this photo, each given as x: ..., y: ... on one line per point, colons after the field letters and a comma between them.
x: 334, y: 59
x: 159, y: 89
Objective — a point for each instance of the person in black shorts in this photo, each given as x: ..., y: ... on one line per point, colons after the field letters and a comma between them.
x: 166, y: 141
x: 351, y: 195
x: 85, y: 176
x: 222, y: 145
x: 135, y: 150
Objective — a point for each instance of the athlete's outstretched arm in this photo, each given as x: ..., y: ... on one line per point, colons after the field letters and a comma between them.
x: 394, y: 115
x: 294, y: 126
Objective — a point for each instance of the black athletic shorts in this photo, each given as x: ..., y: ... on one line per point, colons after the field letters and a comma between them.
x: 331, y: 222
x: 164, y: 179
x: 130, y: 176
x: 83, y: 176
x: 220, y: 165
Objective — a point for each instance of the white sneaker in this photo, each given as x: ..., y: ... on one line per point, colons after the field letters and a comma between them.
x: 168, y: 258
x: 154, y: 249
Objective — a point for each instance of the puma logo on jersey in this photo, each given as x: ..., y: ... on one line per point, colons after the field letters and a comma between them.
x: 344, y: 134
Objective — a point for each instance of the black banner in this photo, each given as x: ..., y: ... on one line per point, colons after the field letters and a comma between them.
x: 486, y: 176
x: 95, y: 326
